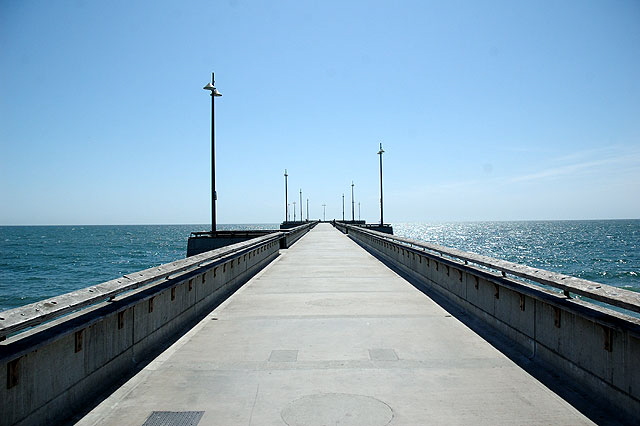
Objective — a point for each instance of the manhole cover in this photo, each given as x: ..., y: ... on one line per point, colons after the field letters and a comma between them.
x: 337, y: 409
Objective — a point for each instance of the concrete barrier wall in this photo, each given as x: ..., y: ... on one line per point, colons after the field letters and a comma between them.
x: 53, y: 370
x: 294, y: 234
x: 597, y: 347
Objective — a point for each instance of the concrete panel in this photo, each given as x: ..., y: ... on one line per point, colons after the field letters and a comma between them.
x: 485, y: 296
x: 49, y: 371
x: 455, y: 281
x: 107, y: 339
x: 631, y: 372
x: 551, y: 325
x: 511, y: 308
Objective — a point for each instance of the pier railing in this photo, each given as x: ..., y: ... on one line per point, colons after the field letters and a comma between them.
x: 549, y: 316
x: 57, y: 354
x: 291, y: 235
x: 569, y: 285
x: 18, y: 319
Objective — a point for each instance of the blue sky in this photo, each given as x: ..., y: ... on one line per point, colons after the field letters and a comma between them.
x: 492, y: 110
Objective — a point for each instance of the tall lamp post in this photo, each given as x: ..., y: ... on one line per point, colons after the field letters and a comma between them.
x: 286, y: 197
x: 214, y: 196
x: 353, y: 205
x: 343, y: 207
x: 307, y: 210
x: 301, y: 217
x: 324, y: 211
x: 381, y: 203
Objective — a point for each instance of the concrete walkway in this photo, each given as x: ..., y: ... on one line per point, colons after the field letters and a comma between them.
x: 328, y: 335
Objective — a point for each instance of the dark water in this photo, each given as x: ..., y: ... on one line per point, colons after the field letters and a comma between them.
x: 37, y: 262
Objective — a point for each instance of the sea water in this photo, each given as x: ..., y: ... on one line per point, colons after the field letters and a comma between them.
x: 605, y: 251
x: 38, y: 262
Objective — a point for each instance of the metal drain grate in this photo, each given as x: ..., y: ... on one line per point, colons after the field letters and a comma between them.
x: 174, y: 418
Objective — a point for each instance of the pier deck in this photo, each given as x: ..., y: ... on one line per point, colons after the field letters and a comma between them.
x: 327, y: 334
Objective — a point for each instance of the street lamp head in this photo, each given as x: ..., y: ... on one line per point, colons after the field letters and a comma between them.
x: 214, y: 91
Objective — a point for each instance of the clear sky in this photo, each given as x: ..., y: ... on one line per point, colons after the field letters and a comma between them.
x: 487, y: 110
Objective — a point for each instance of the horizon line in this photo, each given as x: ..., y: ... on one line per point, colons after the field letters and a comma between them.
x: 277, y: 223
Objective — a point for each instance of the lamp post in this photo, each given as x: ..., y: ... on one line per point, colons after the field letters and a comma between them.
x: 286, y: 197
x: 343, y: 207
x: 381, y: 203
x: 301, y: 205
x: 294, y: 211
x: 358, y: 210
x: 214, y: 196
x: 307, y: 210
x: 353, y: 205
x: 324, y: 211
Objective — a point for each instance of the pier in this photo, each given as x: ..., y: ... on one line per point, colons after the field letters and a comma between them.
x: 326, y: 332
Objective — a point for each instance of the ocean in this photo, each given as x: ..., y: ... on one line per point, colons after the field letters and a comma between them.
x: 38, y: 262
x: 605, y: 251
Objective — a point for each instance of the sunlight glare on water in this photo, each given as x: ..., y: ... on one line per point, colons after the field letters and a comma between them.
x: 605, y: 251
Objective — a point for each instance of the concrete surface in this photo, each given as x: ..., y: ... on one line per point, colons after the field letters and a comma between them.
x: 589, y: 346
x: 328, y: 335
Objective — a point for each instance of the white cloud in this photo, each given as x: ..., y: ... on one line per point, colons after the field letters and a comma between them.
x: 607, y: 160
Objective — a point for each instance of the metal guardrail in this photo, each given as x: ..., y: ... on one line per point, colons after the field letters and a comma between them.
x: 613, y: 296
x: 15, y: 320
